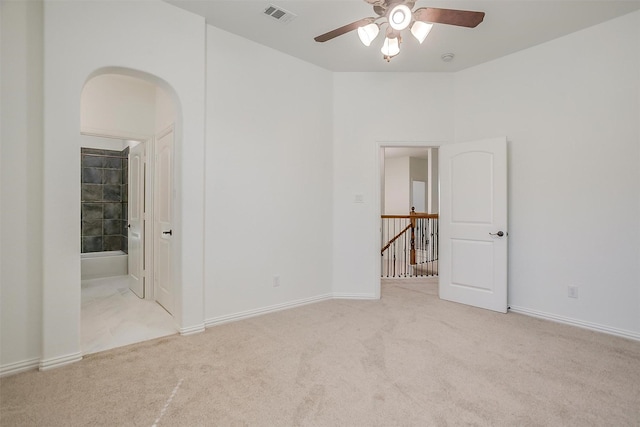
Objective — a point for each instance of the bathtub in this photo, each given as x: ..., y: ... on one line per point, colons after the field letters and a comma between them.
x: 94, y: 265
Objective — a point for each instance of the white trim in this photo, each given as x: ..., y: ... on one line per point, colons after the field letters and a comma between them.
x: 113, y: 133
x: 166, y: 131
x: 57, y: 362
x: 191, y: 330
x: 575, y: 322
x: 17, y: 367
x: 265, y: 310
x: 342, y: 295
x: 149, y: 142
x: 149, y: 186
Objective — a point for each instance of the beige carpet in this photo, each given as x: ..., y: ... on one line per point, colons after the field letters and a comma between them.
x: 408, y: 359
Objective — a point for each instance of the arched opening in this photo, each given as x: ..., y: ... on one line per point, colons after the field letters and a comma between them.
x: 129, y: 127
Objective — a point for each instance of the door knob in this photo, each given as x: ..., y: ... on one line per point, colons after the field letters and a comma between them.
x: 170, y: 232
x: 499, y: 234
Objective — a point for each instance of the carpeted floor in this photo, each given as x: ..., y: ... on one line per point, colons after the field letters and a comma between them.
x: 408, y: 359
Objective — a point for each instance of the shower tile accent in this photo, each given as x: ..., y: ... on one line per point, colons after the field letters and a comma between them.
x: 112, y: 227
x: 112, y: 211
x: 112, y: 243
x: 91, y: 244
x: 104, y: 175
x: 111, y: 163
x: 92, y: 211
x: 91, y: 176
x: 112, y: 192
x: 92, y: 161
x: 91, y: 192
x: 112, y: 176
x: 125, y: 199
x: 92, y: 227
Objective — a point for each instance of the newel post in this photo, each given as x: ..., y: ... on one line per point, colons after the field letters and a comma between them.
x: 412, y: 217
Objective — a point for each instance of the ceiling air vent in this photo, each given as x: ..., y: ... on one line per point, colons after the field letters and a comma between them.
x: 279, y: 14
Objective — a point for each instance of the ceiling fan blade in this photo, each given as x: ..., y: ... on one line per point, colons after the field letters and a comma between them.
x: 343, y: 30
x: 461, y: 18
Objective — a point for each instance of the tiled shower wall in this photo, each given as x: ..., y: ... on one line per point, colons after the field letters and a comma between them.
x: 104, y: 200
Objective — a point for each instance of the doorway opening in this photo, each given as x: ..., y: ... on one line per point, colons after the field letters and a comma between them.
x: 127, y: 126
x: 409, y: 212
x: 104, y: 206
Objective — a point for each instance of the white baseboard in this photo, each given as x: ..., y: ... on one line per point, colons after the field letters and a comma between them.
x: 340, y: 295
x: 17, y: 367
x: 196, y: 329
x: 57, y: 362
x: 579, y: 323
x: 265, y: 310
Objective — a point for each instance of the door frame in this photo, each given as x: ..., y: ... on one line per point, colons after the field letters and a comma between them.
x: 149, y: 180
x: 149, y: 169
x: 379, y: 147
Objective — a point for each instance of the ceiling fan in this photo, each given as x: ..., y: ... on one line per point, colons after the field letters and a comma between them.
x: 397, y: 16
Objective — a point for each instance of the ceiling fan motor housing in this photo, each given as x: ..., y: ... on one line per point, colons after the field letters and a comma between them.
x: 399, y: 17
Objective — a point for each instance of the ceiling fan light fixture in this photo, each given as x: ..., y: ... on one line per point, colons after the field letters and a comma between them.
x: 399, y: 17
x: 368, y: 33
x: 390, y: 47
x: 420, y: 30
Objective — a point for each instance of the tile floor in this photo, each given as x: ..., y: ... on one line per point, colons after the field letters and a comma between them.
x: 113, y: 316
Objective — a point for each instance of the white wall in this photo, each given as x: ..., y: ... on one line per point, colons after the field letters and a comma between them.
x: 397, y: 188
x: 433, y: 184
x: 418, y: 171
x: 570, y: 110
x: 21, y: 184
x: 118, y: 105
x: 151, y: 37
x: 370, y: 109
x: 399, y: 174
x: 165, y: 110
x: 396, y: 185
x: 269, y: 178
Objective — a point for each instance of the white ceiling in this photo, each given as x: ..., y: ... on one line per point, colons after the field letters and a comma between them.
x: 509, y: 26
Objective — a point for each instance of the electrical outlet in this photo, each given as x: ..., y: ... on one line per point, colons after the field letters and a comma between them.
x: 276, y: 281
x: 572, y: 291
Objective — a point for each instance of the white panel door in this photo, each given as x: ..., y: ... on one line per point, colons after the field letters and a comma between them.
x: 163, y: 284
x: 473, y: 223
x: 135, y: 216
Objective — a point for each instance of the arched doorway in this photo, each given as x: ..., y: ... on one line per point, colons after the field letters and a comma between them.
x: 137, y: 113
